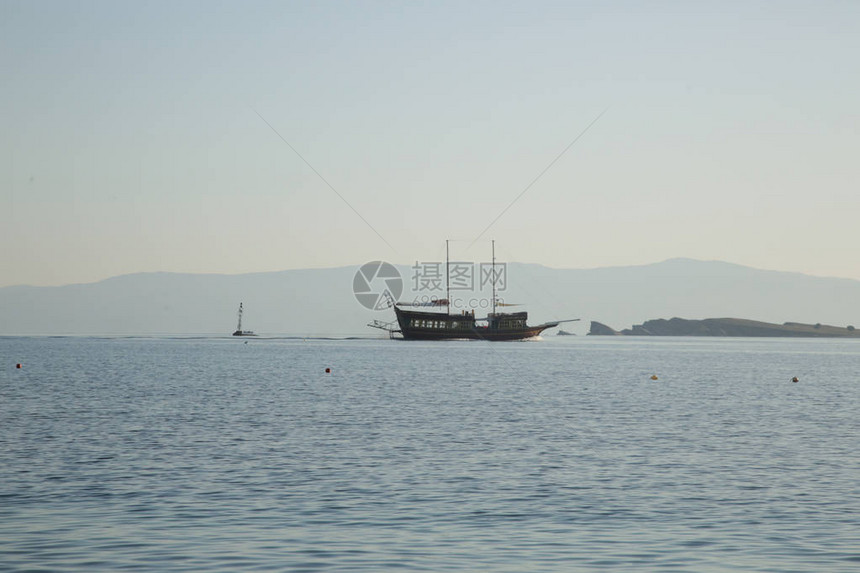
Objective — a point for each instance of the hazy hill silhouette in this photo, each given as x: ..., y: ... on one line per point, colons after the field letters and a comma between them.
x: 320, y: 301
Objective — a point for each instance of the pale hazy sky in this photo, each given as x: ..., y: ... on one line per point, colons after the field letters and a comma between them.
x: 130, y: 138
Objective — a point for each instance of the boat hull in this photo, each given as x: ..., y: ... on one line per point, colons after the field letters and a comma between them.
x: 416, y: 325
x: 477, y: 334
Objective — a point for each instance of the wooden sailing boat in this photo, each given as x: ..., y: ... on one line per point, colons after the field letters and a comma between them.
x: 429, y: 325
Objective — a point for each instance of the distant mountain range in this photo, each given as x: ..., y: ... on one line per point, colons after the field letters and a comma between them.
x: 311, y: 302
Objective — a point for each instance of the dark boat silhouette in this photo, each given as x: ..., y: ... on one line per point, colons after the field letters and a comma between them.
x: 430, y: 325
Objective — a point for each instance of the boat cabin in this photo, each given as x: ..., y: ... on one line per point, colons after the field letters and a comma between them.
x: 507, y: 320
x: 435, y: 321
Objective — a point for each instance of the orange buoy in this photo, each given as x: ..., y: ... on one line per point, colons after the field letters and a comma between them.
x: 653, y: 377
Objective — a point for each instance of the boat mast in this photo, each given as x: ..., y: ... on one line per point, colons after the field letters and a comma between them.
x: 239, y: 327
x: 447, y: 278
x: 494, y: 276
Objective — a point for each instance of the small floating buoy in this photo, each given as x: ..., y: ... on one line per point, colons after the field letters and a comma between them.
x: 654, y: 377
x: 18, y: 365
x: 328, y: 370
x: 795, y: 379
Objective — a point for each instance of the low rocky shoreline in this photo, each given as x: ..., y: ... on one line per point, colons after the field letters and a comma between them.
x: 725, y: 327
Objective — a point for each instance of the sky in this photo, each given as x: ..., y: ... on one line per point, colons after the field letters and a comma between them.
x: 234, y: 137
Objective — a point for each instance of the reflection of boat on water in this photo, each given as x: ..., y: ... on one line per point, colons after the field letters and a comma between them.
x: 239, y: 331
x: 429, y: 325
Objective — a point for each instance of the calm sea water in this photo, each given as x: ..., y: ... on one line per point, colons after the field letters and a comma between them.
x: 555, y: 455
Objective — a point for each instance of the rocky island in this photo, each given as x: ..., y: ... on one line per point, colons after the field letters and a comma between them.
x: 725, y: 327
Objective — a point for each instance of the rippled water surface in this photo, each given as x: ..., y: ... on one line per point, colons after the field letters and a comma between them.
x: 554, y: 455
